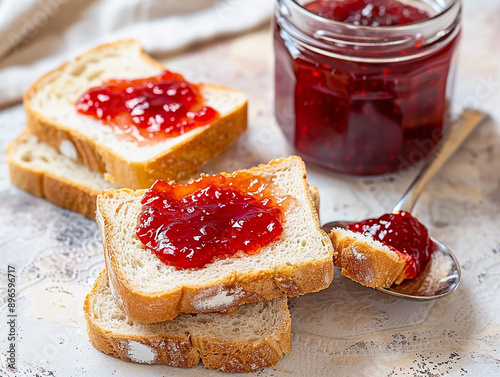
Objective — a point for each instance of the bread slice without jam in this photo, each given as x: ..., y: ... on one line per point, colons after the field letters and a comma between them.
x: 366, y: 260
x: 38, y: 169
x: 255, y: 336
x: 149, y: 291
x: 52, y: 116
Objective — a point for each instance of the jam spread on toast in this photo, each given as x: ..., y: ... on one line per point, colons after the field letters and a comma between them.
x: 403, y: 233
x: 367, y: 12
x: 213, y: 217
x: 148, y: 110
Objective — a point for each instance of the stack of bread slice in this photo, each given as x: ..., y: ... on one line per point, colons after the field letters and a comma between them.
x: 68, y: 158
x: 231, y: 314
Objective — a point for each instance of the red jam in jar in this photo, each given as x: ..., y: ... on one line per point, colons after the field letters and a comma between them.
x: 148, y: 110
x: 213, y: 217
x: 363, y: 87
x: 403, y: 233
x: 367, y: 12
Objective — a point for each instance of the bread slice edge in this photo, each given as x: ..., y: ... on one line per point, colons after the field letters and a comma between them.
x: 43, y: 179
x: 186, y: 350
x: 365, y: 260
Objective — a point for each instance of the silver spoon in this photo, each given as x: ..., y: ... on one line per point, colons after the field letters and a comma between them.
x: 442, y: 275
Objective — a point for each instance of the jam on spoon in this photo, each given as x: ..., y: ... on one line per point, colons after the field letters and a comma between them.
x: 213, y: 217
x: 148, y: 110
x: 404, y: 234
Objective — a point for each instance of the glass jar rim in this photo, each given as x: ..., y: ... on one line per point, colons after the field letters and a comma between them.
x: 367, y: 43
x: 404, y: 27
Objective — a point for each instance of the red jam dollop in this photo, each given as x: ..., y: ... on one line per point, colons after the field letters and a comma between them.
x: 213, y: 217
x: 367, y: 12
x: 148, y: 110
x: 360, y: 116
x: 403, y: 233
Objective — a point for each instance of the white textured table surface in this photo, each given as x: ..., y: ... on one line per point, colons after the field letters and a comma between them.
x: 346, y: 330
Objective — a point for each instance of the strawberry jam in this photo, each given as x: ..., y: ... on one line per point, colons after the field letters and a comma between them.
x: 213, y: 217
x: 363, y: 86
x: 403, y: 233
x: 148, y: 110
x: 367, y: 12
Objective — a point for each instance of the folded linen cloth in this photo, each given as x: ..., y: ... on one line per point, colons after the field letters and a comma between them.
x: 38, y: 35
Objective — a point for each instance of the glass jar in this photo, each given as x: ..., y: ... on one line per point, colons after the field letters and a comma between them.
x: 364, y: 100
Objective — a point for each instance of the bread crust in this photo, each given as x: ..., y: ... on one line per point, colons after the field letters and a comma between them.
x: 283, y: 281
x: 45, y: 184
x: 176, y: 163
x: 186, y: 351
x: 365, y: 262
x: 315, y: 197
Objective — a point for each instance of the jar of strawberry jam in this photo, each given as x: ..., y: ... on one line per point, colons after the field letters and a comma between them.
x: 364, y: 86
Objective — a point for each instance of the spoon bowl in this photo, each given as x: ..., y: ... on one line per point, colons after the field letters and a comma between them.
x: 440, y: 277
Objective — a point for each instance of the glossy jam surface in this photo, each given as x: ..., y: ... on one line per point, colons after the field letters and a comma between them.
x: 367, y: 12
x: 405, y: 234
x: 148, y: 110
x: 356, y: 116
x: 214, y: 217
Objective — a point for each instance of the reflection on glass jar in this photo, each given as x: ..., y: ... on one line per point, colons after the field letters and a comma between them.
x: 364, y: 99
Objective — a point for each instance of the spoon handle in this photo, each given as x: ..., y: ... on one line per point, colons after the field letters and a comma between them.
x: 455, y: 136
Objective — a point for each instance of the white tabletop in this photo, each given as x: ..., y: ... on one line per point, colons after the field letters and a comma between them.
x: 345, y: 330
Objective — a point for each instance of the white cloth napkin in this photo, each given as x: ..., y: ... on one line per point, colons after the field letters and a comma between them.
x: 38, y: 35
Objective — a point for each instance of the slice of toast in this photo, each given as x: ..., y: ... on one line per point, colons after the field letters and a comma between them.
x: 52, y: 116
x: 38, y: 169
x: 149, y: 291
x: 366, y: 260
x: 255, y: 336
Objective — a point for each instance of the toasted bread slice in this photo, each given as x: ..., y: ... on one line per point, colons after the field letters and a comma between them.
x: 37, y: 168
x: 52, y: 116
x: 255, y: 336
x: 366, y: 260
x: 149, y: 291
